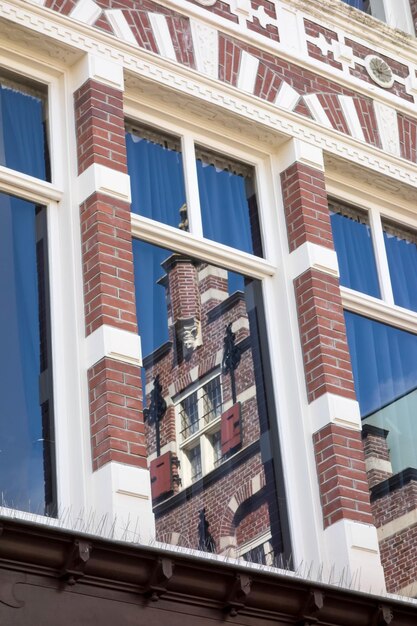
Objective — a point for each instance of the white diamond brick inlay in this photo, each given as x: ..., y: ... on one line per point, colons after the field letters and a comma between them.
x: 162, y: 35
x: 86, y: 11
x: 248, y: 71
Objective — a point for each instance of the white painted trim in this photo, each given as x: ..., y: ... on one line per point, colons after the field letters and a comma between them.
x: 287, y: 97
x: 351, y: 117
x: 296, y: 150
x: 101, y: 179
x: 332, y: 409
x: 100, y: 69
x: 162, y: 35
x: 86, y: 11
x: 191, y: 185
x: 311, y: 255
x: 114, y: 343
x: 120, y: 26
x: 218, y: 254
x: 380, y: 254
x: 248, y: 71
x: 316, y: 109
x: 28, y: 187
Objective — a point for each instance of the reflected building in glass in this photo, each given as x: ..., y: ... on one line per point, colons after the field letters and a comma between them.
x: 207, y: 427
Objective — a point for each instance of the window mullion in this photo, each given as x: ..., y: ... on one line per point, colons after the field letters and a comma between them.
x: 381, y: 256
x: 191, y: 186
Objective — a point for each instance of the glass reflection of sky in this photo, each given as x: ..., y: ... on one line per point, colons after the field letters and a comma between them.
x: 355, y: 254
x: 156, y: 178
x: 384, y: 362
x: 21, y: 449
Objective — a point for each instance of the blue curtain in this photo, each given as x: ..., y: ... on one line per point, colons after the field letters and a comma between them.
x: 22, y: 141
x: 224, y: 207
x: 355, y: 254
x: 402, y: 261
x: 354, y: 3
x: 157, y: 180
x: 384, y: 363
x: 21, y: 447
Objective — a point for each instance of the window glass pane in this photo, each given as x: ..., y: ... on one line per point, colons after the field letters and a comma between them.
x: 156, y: 175
x: 229, y: 210
x: 401, y: 246
x: 384, y: 362
x: 27, y: 473
x: 355, y: 253
x: 212, y: 381
x: 22, y: 133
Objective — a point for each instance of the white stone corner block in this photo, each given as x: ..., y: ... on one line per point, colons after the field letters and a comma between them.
x: 411, y: 83
x: 387, y: 121
x: 312, y: 255
x: 121, y: 497
x: 296, y: 150
x: 86, y: 11
x: 94, y: 67
x: 342, y: 53
x: 287, y: 97
x: 353, y: 556
x: 120, y: 26
x: 330, y: 408
x: 248, y: 71
x: 101, y: 179
x: 351, y: 116
x: 113, y: 343
x: 316, y: 109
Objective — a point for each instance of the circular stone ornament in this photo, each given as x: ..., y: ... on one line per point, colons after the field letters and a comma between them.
x: 379, y: 71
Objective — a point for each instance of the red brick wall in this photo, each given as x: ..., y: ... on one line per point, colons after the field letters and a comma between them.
x: 100, y: 126
x: 117, y: 428
x: 341, y: 471
x: 413, y: 7
x: 305, y: 205
x: 109, y: 296
x: 323, y: 335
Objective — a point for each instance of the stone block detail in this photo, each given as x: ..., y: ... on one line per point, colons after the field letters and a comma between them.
x: 306, y: 207
x: 117, y: 429
x: 100, y: 127
x: 323, y: 335
x: 341, y: 472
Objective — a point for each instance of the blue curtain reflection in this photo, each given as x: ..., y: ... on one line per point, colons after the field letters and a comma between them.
x: 22, y: 143
x: 355, y: 254
x: 402, y: 261
x: 157, y: 181
x: 224, y: 207
x: 359, y: 4
x: 384, y: 363
x: 22, y: 483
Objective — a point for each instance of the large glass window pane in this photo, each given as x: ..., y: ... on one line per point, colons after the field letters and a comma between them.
x: 209, y: 422
x: 22, y: 132
x: 384, y: 362
x: 355, y: 253
x: 229, y: 210
x: 27, y: 471
x: 401, y: 246
x: 156, y: 176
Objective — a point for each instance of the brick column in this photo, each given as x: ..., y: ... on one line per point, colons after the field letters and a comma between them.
x: 121, y: 482
x: 334, y: 419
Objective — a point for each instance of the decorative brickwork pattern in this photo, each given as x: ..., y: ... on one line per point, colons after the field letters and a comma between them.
x: 109, y: 296
x: 376, y: 451
x: 306, y: 207
x: 117, y: 428
x: 323, y: 335
x: 100, y: 126
x: 408, y: 137
x: 342, y: 476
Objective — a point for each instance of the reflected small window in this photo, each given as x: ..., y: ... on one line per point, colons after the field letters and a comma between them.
x: 354, y: 248
x: 156, y: 175
x: 229, y: 209
x: 194, y: 459
x: 401, y: 247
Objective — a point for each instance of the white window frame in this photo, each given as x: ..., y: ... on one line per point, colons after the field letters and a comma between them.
x: 70, y: 399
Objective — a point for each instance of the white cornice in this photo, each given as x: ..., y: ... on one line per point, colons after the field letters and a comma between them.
x: 187, y: 83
